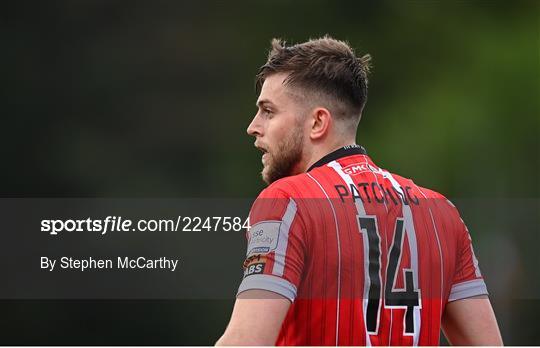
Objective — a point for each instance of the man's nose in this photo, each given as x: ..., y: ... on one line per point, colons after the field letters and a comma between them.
x: 255, y: 127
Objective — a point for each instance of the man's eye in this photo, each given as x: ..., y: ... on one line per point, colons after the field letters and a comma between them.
x: 266, y: 112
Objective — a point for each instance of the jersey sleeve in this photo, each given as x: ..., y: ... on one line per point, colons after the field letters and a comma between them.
x: 467, y: 280
x: 275, y: 245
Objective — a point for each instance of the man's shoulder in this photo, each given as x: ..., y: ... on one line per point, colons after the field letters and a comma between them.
x: 440, y: 202
x: 294, y: 186
x: 424, y: 191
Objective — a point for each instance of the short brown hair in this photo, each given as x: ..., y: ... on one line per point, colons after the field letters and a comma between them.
x: 326, y: 66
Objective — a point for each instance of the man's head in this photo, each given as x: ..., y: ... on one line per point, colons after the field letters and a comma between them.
x: 311, y: 97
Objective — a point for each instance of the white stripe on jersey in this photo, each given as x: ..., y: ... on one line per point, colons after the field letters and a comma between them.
x: 367, y: 281
x: 411, y: 237
x: 283, y: 238
x: 440, y: 257
x: 339, y: 257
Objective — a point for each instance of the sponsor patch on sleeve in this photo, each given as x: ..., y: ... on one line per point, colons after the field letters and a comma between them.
x: 263, y: 237
x: 254, y: 264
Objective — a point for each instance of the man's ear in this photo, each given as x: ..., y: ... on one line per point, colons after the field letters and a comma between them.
x: 321, y: 121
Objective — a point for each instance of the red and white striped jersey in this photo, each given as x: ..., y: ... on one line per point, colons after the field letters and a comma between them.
x: 365, y: 256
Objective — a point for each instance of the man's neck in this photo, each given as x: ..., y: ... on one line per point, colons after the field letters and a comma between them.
x: 320, y: 152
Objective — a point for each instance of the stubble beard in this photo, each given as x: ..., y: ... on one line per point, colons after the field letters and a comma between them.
x: 288, y: 154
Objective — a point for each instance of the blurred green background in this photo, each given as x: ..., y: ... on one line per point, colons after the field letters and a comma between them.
x: 152, y: 99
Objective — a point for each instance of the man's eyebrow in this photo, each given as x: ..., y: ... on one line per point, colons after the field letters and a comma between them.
x: 263, y: 102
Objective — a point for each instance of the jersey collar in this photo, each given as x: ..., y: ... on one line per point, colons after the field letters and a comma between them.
x: 344, y: 151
